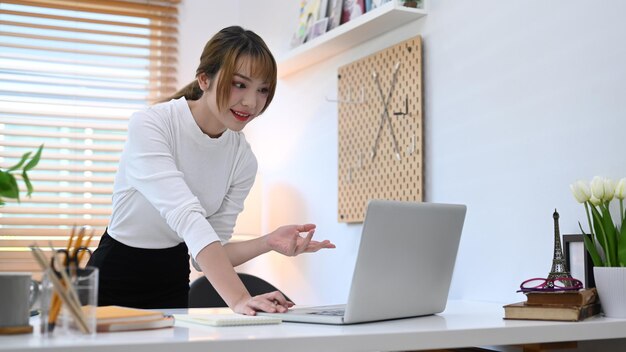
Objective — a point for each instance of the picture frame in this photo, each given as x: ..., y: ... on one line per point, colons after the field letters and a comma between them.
x: 578, y: 260
x: 334, y: 11
x: 318, y: 28
x: 309, y: 13
x: 372, y: 4
x: 352, y: 9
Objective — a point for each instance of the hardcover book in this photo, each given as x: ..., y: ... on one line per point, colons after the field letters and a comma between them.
x: 563, y: 298
x: 523, y: 311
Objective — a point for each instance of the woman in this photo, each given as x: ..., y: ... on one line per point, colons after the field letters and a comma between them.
x: 182, y: 180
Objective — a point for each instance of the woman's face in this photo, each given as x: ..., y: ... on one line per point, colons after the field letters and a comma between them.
x: 248, y: 96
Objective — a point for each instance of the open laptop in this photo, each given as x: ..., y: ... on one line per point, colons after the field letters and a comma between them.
x: 403, y: 268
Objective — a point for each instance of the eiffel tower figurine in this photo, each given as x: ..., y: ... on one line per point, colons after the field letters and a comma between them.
x: 559, y: 267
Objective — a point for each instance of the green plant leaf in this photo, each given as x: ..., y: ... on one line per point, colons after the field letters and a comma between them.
x: 9, y: 186
x: 29, y: 186
x: 590, y: 245
x: 35, y: 160
x: 22, y: 161
x: 611, y: 237
x: 600, y: 236
x: 621, y: 245
x: 5, y: 182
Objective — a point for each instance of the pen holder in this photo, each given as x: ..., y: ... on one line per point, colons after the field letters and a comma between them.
x: 85, y: 287
x: 45, y: 300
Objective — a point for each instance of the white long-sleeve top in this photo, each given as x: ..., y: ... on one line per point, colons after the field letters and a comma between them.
x: 175, y: 183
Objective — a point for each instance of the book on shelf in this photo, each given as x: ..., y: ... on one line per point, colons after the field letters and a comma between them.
x: 524, y: 311
x: 220, y: 319
x: 118, y: 318
x: 562, y: 298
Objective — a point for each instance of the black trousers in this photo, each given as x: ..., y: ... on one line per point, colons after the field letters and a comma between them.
x: 139, y: 277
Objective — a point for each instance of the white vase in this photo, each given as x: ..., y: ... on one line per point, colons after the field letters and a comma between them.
x: 611, y: 286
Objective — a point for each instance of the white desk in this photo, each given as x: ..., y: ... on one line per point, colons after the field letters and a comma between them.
x: 462, y: 324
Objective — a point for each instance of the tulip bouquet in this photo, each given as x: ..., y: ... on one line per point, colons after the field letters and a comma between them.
x: 606, y: 240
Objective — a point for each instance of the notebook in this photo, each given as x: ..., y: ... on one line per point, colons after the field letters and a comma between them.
x: 119, y: 314
x: 225, y: 319
x: 118, y: 318
x: 403, y: 268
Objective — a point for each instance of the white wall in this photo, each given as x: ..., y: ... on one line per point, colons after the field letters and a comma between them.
x: 521, y: 99
x: 198, y: 21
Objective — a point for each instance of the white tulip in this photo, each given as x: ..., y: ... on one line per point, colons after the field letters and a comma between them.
x: 620, y: 189
x: 609, y: 190
x: 597, y: 187
x: 581, y: 191
x: 595, y: 201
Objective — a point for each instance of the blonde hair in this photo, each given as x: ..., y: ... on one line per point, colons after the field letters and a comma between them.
x: 223, y: 52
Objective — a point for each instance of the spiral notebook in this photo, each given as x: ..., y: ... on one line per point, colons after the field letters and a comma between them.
x: 221, y: 319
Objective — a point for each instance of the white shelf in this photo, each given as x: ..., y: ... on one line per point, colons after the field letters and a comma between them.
x: 367, y: 26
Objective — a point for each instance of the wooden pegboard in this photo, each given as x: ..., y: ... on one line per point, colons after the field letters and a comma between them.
x: 361, y: 110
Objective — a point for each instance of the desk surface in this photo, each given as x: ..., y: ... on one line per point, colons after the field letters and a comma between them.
x: 462, y: 324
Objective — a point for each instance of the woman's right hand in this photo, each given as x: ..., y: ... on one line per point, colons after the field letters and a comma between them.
x: 273, y: 302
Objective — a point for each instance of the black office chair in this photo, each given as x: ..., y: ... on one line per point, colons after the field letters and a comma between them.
x: 203, y: 295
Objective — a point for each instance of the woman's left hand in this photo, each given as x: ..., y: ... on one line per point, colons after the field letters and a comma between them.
x: 287, y: 240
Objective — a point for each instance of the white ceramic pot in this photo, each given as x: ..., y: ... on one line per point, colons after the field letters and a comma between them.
x: 611, y: 286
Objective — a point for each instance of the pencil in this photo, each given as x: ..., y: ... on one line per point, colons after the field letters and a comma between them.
x: 55, y: 303
x: 87, y: 243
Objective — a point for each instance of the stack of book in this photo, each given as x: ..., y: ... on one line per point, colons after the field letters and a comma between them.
x: 559, y: 305
x: 117, y: 318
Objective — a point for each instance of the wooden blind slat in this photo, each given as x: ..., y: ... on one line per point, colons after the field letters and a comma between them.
x: 71, y: 178
x: 70, y: 189
x: 60, y: 243
x: 139, y: 64
x: 57, y: 210
x: 84, y: 6
x: 161, y: 48
x: 40, y: 233
x: 154, y: 37
x: 81, y: 136
x: 57, y: 156
x: 71, y: 168
x: 156, y: 56
x: 68, y: 200
x: 33, y: 109
x: 165, y: 73
x: 69, y: 124
x: 53, y: 221
x: 154, y: 28
x: 79, y: 94
x: 35, y: 144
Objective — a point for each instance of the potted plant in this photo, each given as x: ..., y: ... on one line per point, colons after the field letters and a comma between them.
x: 606, y: 239
x: 8, y: 182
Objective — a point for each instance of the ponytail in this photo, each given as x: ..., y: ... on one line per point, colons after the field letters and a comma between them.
x: 192, y: 91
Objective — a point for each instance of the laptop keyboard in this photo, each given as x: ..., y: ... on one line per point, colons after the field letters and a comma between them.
x: 330, y: 312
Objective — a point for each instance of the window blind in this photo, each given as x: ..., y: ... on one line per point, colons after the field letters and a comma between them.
x: 71, y: 74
